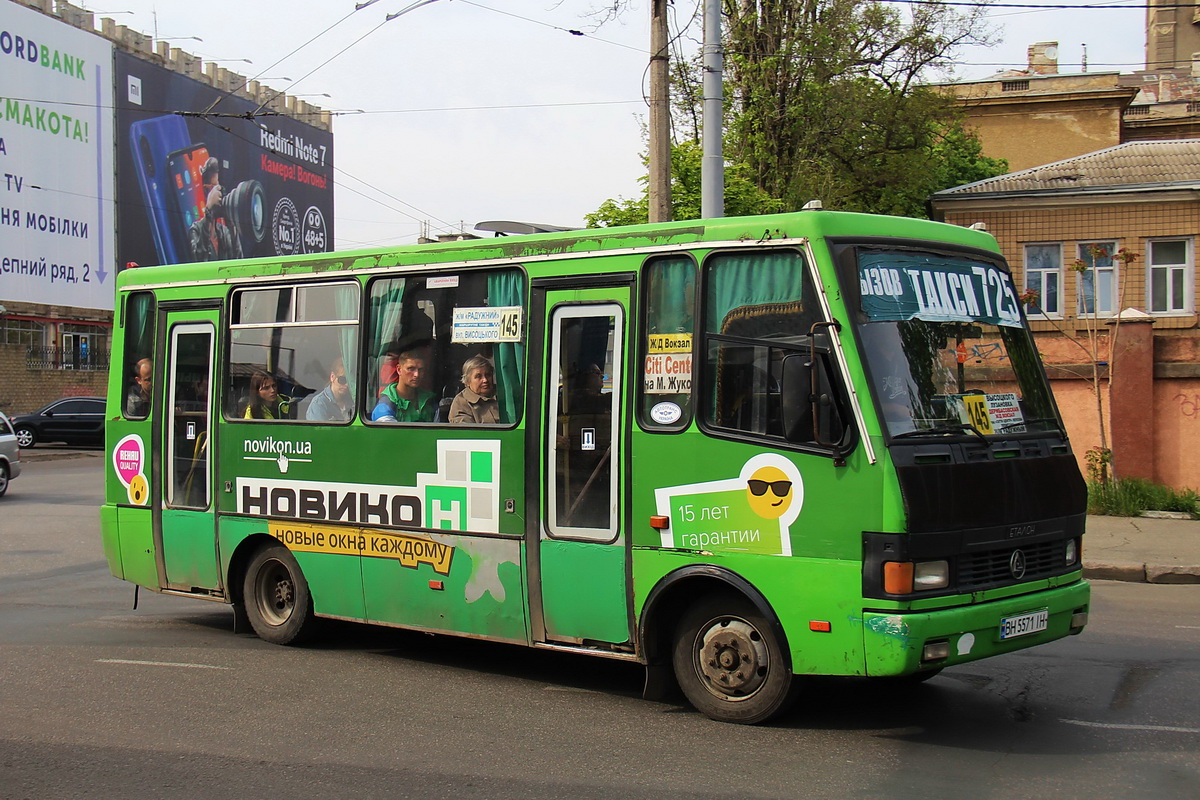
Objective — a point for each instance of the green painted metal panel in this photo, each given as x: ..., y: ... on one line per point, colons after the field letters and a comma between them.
x: 476, y: 588
x: 583, y: 590
x: 136, y: 543
x: 190, y: 549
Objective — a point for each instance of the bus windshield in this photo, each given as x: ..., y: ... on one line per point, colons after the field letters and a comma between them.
x: 946, y: 348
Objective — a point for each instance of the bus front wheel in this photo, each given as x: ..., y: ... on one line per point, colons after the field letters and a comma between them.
x: 276, y: 597
x: 729, y: 662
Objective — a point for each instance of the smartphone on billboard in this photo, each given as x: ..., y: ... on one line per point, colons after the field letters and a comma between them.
x: 152, y: 141
x: 184, y: 168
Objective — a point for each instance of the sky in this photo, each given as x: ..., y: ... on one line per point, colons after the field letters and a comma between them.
x: 459, y: 111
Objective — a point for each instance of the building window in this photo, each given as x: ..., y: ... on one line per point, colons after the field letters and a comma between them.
x: 1097, y: 286
x: 1169, y: 281
x: 1014, y: 86
x: 1043, y: 277
x: 22, y: 331
x: 1137, y: 111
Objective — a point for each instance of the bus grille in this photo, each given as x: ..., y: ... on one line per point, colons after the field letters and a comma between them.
x: 991, y: 568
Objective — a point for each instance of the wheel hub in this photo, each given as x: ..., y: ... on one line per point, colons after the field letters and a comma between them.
x: 733, y: 658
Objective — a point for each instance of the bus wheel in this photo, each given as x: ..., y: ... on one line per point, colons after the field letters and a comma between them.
x: 277, y: 599
x: 729, y: 663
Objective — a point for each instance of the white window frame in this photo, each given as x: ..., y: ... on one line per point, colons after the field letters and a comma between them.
x: 1039, y: 309
x: 1109, y: 273
x: 1187, y: 268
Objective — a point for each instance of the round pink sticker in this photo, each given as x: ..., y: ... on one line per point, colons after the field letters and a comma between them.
x: 129, y: 457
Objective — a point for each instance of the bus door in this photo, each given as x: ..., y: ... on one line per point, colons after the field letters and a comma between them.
x: 578, y: 544
x: 186, y: 523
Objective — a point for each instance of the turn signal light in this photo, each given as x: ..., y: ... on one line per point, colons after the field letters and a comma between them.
x: 898, y: 577
x: 660, y: 523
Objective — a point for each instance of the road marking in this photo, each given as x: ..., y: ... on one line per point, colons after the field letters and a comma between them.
x: 158, y: 663
x: 1189, y: 627
x: 1120, y: 727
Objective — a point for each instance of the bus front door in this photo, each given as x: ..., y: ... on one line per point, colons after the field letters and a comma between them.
x: 186, y: 526
x: 579, y: 560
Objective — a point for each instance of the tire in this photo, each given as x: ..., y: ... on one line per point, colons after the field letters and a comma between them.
x: 26, y: 436
x: 3, y: 478
x: 730, y: 664
x: 277, y: 598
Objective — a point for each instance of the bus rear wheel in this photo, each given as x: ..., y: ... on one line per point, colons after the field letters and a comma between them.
x: 277, y: 599
x: 730, y: 664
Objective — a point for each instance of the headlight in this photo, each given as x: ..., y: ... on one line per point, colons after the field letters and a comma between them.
x: 931, y: 575
x: 1072, y: 551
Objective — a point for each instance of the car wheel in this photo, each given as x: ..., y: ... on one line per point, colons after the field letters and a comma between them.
x: 3, y: 478
x: 26, y: 437
x: 277, y: 598
x: 729, y: 662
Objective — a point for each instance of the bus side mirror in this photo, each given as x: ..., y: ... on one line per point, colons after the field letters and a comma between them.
x: 810, y: 412
x: 796, y: 400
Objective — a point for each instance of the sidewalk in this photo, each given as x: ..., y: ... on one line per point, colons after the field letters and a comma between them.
x: 1142, y: 549
x: 1136, y: 549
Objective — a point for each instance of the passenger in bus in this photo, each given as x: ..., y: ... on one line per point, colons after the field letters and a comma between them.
x: 137, y: 401
x: 387, y: 368
x: 405, y: 400
x: 265, y: 400
x: 476, y: 403
x: 334, y: 403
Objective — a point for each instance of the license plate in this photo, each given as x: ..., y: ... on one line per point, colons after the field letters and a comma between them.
x: 1024, y: 624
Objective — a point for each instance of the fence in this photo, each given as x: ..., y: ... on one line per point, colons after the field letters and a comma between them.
x: 66, y: 358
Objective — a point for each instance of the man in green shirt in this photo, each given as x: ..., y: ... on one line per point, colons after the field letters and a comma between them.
x: 405, y: 400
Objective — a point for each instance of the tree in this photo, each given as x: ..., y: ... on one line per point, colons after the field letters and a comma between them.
x: 825, y: 101
x: 742, y: 197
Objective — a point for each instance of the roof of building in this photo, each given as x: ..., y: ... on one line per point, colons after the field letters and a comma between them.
x: 1134, y: 165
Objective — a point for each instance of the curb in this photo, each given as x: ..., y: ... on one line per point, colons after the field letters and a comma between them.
x: 1142, y: 573
x: 29, y: 457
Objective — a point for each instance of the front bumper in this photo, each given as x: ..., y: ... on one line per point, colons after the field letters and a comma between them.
x: 894, y: 641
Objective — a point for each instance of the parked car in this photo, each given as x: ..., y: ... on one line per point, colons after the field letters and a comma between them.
x: 73, y: 420
x: 10, y: 454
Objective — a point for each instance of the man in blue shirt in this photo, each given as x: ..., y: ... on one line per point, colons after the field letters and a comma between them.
x: 405, y: 400
x: 334, y: 403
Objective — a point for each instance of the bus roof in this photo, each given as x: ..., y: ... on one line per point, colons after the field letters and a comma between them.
x: 569, y: 243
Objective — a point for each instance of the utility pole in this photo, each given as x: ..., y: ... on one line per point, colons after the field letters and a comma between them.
x: 712, y: 167
x: 660, y: 116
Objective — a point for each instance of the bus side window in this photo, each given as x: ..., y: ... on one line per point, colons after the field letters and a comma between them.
x: 421, y: 354
x: 138, y: 357
x: 667, y: 357
x: 759, y: 310
x: 293, y: 353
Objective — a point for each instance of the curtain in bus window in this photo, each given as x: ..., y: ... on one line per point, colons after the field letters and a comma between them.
x: 507, y: 288
x: 345, y: 302
x: 744, y: 281
x: 386, y: 305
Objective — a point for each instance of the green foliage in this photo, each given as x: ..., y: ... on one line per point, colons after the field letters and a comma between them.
x: 1129, y: 497
x: 1099, y: 463
x: 742, y: 197
x: 827, y: 102
x: 825, y: 99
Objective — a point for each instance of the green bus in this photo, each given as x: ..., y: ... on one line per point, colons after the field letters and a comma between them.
x: 737, y: 451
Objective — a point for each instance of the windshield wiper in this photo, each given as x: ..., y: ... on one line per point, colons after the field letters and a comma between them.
x: 1029, y: 421
x: 951, y: 427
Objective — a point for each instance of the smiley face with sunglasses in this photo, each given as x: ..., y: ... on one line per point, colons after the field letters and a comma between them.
x: 769, y: 492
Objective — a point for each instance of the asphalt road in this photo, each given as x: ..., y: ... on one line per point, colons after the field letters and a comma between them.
x: 100, y: 700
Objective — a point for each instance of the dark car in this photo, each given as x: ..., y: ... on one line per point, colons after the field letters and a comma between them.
x: 73, y: 420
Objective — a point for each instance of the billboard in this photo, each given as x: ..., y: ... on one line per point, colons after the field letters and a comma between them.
x: 203, y: 175
x: 56, y: 162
